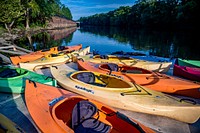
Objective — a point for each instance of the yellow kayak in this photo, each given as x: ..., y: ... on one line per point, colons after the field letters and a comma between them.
x: 8, y: 126
x: 41, y: 53
x: 149, y: 65
x: 53, y: 59
x: 122, y: 94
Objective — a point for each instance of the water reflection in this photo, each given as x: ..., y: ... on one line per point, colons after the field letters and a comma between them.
x: 46, y: 39
x: 61, y: 33
x: 161, y: 43
x: 169, y: 44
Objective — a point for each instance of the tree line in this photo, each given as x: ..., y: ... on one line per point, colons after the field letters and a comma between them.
x: 150, y: 13
x: 26, y: 13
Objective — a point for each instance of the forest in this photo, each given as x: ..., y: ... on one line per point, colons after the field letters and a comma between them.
x: 168, y: 14
x: 25, y: 14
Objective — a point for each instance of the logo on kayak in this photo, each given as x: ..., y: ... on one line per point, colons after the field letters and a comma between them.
x: 54, y: 101
x: 115, y: 75
x: 85, y: 89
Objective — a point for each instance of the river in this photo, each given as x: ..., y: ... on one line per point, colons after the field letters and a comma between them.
x: 170, y: 44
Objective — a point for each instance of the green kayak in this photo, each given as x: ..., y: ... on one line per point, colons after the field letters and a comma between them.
x: 12, y: 79
x: 190, y: 63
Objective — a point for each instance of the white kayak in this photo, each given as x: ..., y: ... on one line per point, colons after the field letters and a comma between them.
x: 162, y: 67
x: 122, y: 94
x: 54, y: 59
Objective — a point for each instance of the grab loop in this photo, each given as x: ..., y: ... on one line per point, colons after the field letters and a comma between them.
x: 33, y: 83
x: 188, y: 100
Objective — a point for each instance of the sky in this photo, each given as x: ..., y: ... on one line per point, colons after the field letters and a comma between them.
x: 84, y: 8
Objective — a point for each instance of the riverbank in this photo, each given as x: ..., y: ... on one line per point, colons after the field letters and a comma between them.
x: 7, y: 40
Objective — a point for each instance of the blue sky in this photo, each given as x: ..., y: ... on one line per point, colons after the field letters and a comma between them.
x: 83, y: 8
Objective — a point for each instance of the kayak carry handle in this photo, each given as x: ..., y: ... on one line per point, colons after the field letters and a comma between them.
x: 188, y: 100
x: 33, y: 83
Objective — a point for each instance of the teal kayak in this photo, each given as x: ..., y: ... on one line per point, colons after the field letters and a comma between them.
x: 12, y: 79
x: 189, y: 63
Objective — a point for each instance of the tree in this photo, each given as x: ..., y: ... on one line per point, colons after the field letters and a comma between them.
x: 66, y: 12
x: 10, y: 11
x: 30, y: 5
x: 40, y: 10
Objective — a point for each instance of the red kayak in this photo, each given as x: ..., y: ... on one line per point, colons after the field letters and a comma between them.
x: 191, y: 73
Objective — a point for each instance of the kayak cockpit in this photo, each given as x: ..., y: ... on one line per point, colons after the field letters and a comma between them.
x: 80, y: 114
x: 123, y: 68
x: 100, y: 80
x: 8, y: 72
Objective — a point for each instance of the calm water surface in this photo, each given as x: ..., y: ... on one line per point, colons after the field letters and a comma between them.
x: 105, y: 40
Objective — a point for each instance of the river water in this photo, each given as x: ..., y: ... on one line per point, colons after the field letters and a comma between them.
x: 170, y: 44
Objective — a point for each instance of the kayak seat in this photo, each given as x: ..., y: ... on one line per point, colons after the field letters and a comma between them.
x: 54, y: 55
x: 86, y: 77
x: 92, y: 126
x: 8, y: 73
x: 83, y: 121
x: 60, y: 48
x: 113, y: 67
x: 89, y: 78
x: 103, y: 57
x: 45, y: 50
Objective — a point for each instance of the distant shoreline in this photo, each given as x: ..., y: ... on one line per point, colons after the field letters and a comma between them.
x: 17, y: 33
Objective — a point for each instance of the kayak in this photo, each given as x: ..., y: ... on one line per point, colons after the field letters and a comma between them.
x: 12, y: 79
x: 190, y: 63
x: 149, y: 65
x: 191, y: 73
x: 53, y: 59
x: 41, y: 53
x: 8, y: 126
x: 152, y: 80
x: 128, y: 53
x: 142, y: 56
x: 56, y: 110
x: 120, y: 93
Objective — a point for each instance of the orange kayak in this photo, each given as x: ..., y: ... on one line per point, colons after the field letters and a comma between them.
x: 147, y: 78
x: 56, y: 110
x: 39, y: 54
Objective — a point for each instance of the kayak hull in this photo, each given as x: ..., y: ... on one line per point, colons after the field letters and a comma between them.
x: 52, y: 111
x: 147, y: 78
x: 162, y: 67
x: 53, y: 60
x: 190, y: 73
x: 143, y: 100
x: 189, y: 63
x: 15, y: 83
x: 39, y: 54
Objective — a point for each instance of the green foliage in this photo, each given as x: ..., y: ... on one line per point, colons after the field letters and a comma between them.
x: 10, y: 10
x: 66, y: 12
x: 31, y: 12
x: 150, y: 13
